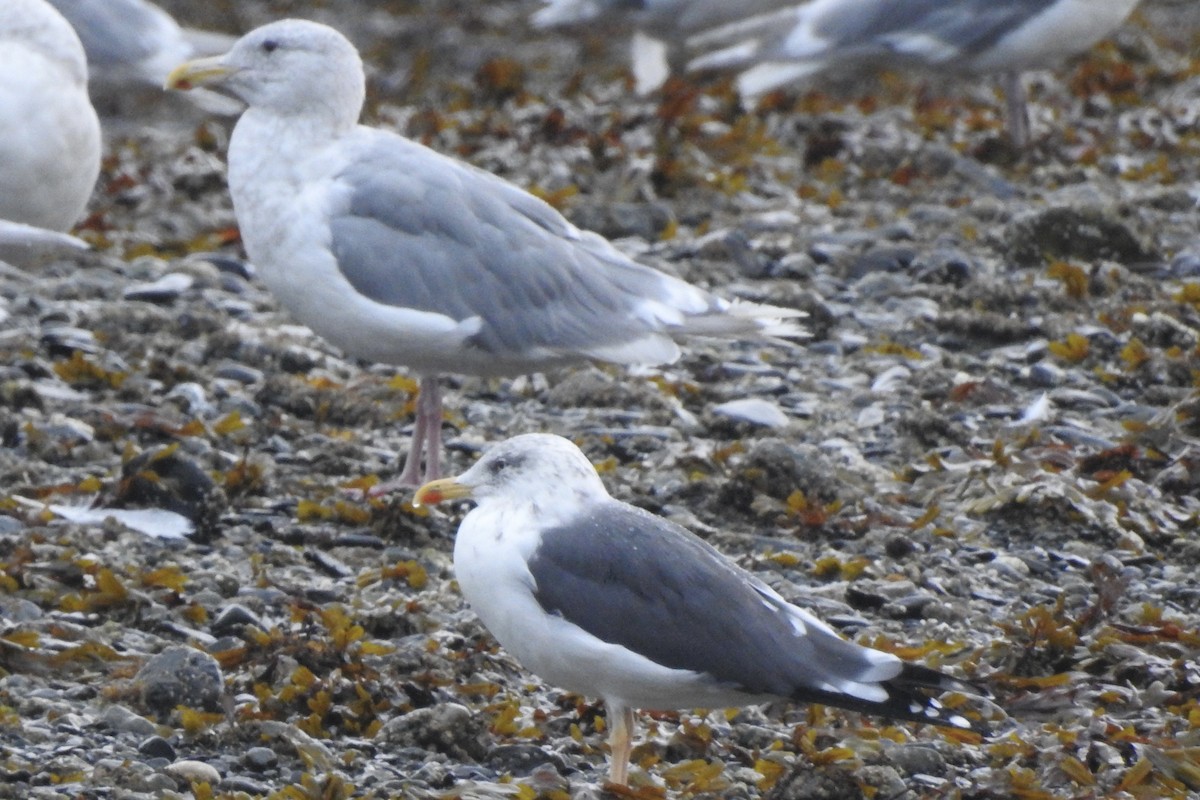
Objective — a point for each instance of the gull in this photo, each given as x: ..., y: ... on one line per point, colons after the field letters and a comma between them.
x: 49, y: 132
x: 775, y: 43
x: 400, y: 255
x: 660, y: 27
x: 133, y: 43
x: 605, y: 599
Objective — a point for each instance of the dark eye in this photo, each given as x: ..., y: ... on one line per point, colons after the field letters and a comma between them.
x: 498, y: 465
x: 270, y: 46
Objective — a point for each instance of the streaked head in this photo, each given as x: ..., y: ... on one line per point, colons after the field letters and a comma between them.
x: 292, y: 66
x: 532, y: 466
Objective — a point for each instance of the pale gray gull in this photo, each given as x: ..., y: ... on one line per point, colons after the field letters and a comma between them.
x: 775, y: 43
x: 660, y: 27
x: 132, y: 43
x: 49, y: 132
x: 400, y: 255
x: 608, y: 600
x: 964, y: 37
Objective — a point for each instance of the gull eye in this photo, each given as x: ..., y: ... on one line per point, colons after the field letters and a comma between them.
x: 270, y: 46
x: 498, y: 465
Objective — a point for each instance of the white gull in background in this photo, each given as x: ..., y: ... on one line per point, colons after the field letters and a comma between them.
x: 605, y: 599
x: 134, y: 42
x: 660, y: 27
x: 49, y: 132
x: 400, y: 255
x: 776, y: 46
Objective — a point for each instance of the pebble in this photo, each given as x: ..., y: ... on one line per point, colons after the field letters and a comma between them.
x: 165, y: 290
x: 194, y: 772
x: 120, y: 718
x: 260, y: 759
x: 232, y: 618
x: 157, y: 747
x: 755, y: 411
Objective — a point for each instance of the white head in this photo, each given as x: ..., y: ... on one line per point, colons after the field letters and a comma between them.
x: 528, y: 467
x: 289, y: 67
x: 36, y: 24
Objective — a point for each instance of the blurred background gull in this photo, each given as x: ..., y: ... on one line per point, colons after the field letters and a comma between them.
x: 49, y: 132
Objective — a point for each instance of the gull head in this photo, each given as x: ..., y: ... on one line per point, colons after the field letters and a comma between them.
x: 531, y: 467
x: 292, y: 67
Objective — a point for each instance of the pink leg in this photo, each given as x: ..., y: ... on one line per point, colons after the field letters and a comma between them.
x: 1015, y: 99
x: 426, y: 438
x: 429, y: 405
x: 620, y: 741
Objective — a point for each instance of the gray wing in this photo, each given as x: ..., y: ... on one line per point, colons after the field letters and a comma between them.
x: 670, y: 20
x: 426, y: 232
x: 113, y: 32
x: 629, y: 577
x: 889, y: 28
x: 871, y: 31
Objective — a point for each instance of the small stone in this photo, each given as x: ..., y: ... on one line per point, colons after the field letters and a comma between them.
x: 194, y: 772
x: 1046, y: 375
x: 754, y: 410
x: 120, y: 718
x: 917, y: 759
x: 164, y: 290
x: 239, y: 372
x: 242, y: 784
x: 232, y: 618
x: 898, y: 545
x: 522, y: 759
x: 260, y: 759
x: 881, y: 259
x: 157, y: 747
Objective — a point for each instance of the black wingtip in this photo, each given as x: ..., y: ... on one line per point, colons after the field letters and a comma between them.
x: 913, y: 696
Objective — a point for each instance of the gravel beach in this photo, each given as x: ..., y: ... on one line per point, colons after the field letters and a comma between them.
x: 986, y: 458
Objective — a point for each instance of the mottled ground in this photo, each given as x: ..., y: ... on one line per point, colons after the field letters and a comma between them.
x: 988, y: 458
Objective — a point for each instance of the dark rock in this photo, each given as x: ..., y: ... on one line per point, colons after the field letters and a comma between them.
x: 157, y: 747
x: 180, y: 676
x: 242, y: 784
x: 522, y: 759
x: 881, y: 259
x: 917, y: 759
x: 806, y: 782
x: 232, y: 618
x: 446, y: 728
x: 1074, y: 234
x: 260, y: 759
x: 898, y: 545
x: 750, y: 262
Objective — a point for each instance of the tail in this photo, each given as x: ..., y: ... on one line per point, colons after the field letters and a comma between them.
x: 743, y: 318
x: 911, y: 695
